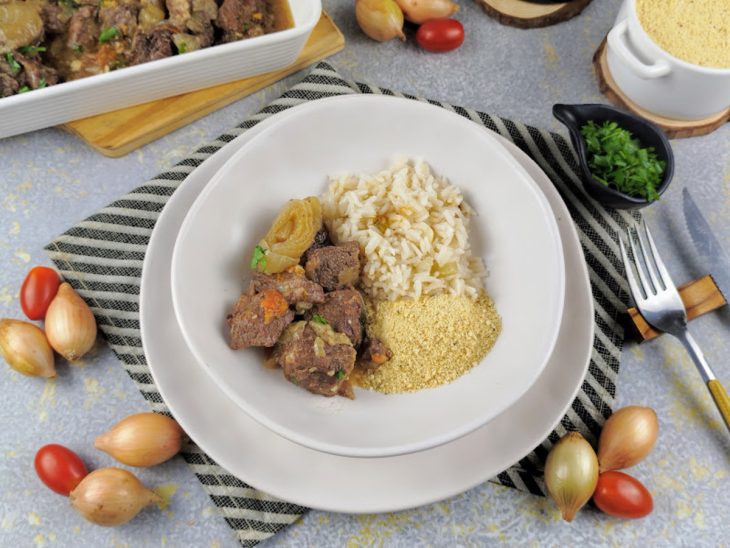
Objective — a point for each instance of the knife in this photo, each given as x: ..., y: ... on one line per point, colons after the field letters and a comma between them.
x: 708, y: 248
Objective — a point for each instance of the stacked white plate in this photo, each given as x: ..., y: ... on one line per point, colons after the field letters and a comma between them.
x: 530, y: 380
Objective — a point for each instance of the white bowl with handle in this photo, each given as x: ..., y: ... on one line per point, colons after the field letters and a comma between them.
x: 656, y: 80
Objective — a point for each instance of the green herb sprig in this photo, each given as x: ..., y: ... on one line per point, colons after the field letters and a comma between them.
x: 31, y: 50
x: 340, y: 374
x: 108, y: 34
x: 317, y: 318
x: 258, y: 258
x: 616, y: 158
x: 12, y: 62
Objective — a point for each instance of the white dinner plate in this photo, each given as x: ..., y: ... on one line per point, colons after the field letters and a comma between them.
x: 304, y: 476
x: 514, y: 231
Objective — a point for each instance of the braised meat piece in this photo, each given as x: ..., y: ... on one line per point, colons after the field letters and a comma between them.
x: 296, y: 289
x: 8, y: 85
x: 152, y: 45
x: 120, y: 15
x: 244, y: 19
x: 83, y: 30
x: 34, y: 73
x: 258, y: 319
x: 334, y: 267
x: 321, y: 239
x: 55, y: 17
x: 316, y: 358
x: 373, y: 353
x: 343, y: 310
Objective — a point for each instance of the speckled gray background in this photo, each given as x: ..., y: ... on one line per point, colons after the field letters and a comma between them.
x: 49, y: 180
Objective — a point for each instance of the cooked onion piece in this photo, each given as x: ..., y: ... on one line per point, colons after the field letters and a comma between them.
x: 289, y: 237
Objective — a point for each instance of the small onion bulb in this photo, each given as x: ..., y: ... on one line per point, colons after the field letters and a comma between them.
x: 111, y: 496
x: 571, y: 473
x: 627, y: 437
x: 24, y: 346
x: 144, y: 439
x: 70, y: 324
x: 420, y: 11
x: 381, y: 20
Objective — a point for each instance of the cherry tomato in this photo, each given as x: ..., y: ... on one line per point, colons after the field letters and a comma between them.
x: 439, y: 35
x: 620, y: 495
x: 39, y: 288
x: 59, y: 468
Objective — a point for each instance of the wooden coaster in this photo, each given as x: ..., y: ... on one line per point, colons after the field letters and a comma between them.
x: 117, y: 133
x: 528, y: 15
x: 675, y: 129
x: 699, y: 297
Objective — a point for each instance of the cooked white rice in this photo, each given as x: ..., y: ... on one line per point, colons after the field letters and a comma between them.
x: 413, y: 227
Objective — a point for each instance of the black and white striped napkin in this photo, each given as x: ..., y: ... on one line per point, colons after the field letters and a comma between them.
x: 102, y: 258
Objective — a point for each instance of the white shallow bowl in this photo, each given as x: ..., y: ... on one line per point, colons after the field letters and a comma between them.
x: 162, y: 78
x: 515, y: 232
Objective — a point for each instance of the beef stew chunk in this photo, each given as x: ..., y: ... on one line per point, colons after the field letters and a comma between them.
x: 343, y: 310
x: 321, y: 239
x: 373, y: 353
x: 315, y: 357
x: 334, y: 267
x: 296, y: 289
x: 258, y: 319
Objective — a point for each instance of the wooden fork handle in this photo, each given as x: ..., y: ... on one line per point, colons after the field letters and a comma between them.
x: 722, y: 400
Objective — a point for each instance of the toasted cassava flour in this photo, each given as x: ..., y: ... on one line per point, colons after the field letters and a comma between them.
x: 696, y: 31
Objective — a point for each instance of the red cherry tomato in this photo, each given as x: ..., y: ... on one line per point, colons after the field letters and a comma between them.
x: 620, y: 495
x: 59, y: 468
x: 39, y: 288
x: 439, y: 35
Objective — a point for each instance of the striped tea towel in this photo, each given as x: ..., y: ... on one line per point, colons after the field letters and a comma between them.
x: 102, y: 258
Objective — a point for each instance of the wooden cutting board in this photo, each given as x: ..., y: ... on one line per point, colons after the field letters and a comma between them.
x: 117, y: 133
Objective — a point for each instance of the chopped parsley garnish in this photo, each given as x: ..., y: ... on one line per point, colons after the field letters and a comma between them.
x: 41, y: 83
x: 616, y: 158
x: 182, y: 47
x: 31, y: 50
x: 258, y: 257
x: 24, y: 89
x: 108, y: 34
x: 14, y: 65
x: 340, y: 374
x: 317, y: 318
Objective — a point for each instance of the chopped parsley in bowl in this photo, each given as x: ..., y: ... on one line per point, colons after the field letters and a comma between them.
x: 626, y: 161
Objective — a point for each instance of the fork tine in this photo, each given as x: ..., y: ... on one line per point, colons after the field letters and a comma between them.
x: 636, y: 291
x: 646, y: 285
x: 649, y: 261
x: 663, y: 273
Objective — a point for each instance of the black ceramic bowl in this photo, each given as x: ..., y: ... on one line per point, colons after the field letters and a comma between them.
x: 575, y: 116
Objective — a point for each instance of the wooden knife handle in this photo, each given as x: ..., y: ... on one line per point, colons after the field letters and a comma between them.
x: 722, y: 400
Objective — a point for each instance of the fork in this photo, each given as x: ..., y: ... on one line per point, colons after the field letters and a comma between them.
x: 659, y: 302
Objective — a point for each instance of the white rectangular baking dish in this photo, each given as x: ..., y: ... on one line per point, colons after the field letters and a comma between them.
x: 156, y: 79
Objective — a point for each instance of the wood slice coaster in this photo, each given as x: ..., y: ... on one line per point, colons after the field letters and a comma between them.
x: 528, y: 15
x: 117, y: 133
x: 699, y: 297
x: 675, y: 129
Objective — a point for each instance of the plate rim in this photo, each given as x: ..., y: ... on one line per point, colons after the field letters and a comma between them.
x: 225, y: 170
x: 355, y: 504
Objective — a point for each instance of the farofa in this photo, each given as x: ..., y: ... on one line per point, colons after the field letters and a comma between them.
x: 696, y: 31
x: 434, y: 340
